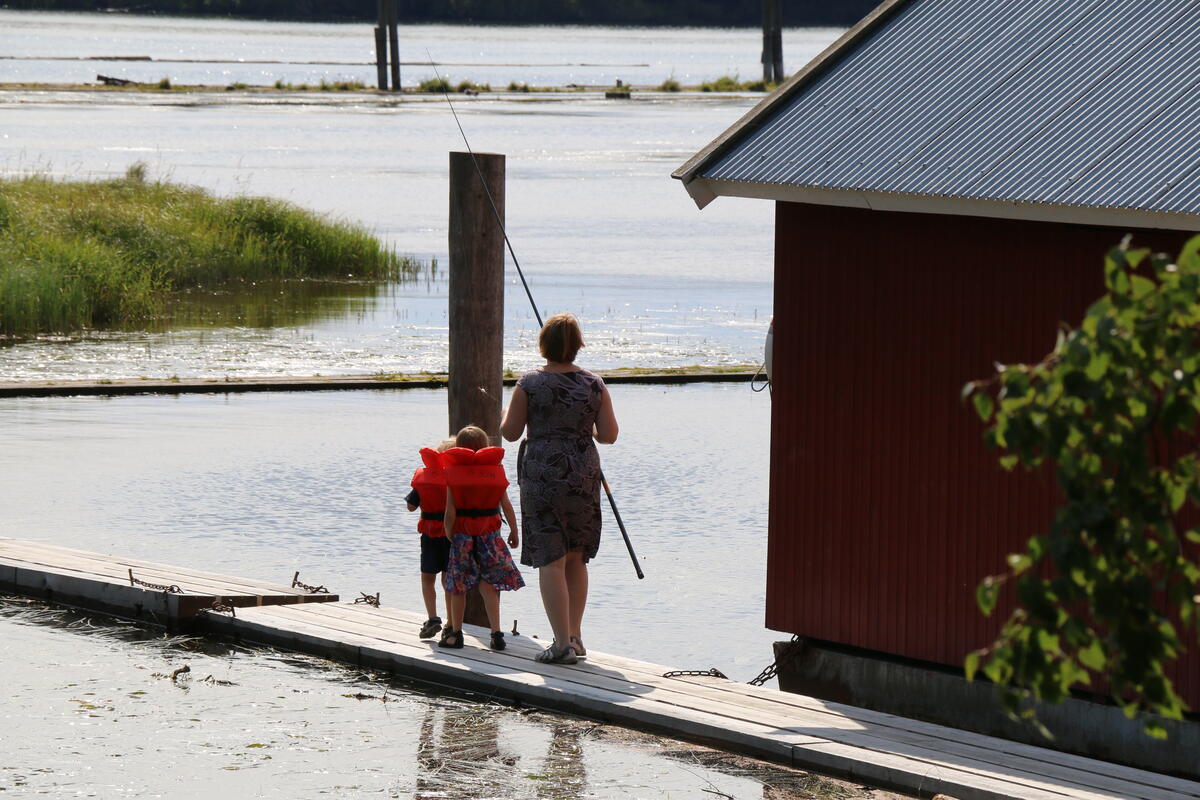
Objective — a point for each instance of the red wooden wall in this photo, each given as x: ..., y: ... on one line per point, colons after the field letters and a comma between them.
x: 886, y: 507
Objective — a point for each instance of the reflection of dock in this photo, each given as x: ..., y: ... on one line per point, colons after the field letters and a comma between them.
x: 130, y: 587
x: 875, y: 748
x: 323, y: 383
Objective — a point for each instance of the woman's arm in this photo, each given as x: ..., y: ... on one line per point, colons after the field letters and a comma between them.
x: 516, y: 415
x: 606, y: 420
x: 451, y: 514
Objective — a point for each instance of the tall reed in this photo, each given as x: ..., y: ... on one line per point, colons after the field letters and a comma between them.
x: 81, y: 254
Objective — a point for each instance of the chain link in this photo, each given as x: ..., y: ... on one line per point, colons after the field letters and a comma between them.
x: 219, y: 605
x: 168, y: 588
x: 790, y: 651
x: 712, y: 672
x: 368, y: 599
x: 298, y: 584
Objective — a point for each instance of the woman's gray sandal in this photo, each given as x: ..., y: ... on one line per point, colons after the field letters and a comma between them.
x: 577, y: 646
x: 556, y: 655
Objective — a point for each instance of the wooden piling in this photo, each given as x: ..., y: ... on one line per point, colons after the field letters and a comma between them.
x: 476, y: 289
x: 476, y: 304
x: 381, y: 57
x: 772, y: 52
x: 394, y: 41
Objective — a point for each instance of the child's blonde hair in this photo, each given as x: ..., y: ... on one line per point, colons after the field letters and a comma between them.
x: 472, y: 437
x: 444, y: 445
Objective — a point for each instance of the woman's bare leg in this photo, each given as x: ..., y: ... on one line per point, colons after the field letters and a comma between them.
x: 456, y: 607
x: 577, y: 590
x: 552, y: 582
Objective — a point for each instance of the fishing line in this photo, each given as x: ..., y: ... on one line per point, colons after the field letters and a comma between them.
x: 499, y: 221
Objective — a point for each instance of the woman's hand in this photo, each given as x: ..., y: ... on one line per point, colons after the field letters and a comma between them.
x: 514, y: 540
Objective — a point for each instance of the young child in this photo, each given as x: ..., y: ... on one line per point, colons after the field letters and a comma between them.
x: 475, y: 496
x: 429, y: 494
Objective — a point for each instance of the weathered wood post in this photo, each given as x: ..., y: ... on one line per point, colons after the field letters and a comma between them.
x: 476, y: 304
x: 772, y: 52
x: 394, y: 41
x: 381, y: 56
x: 476, y: 288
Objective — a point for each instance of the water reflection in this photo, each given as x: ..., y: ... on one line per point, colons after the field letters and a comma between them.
x: 99, y: 714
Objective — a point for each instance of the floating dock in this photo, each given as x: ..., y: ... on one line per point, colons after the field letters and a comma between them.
x: 132, y: 588
x: 879, y: 749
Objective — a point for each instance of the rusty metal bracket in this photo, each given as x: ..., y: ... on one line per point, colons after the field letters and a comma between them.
x: 298, y: 584
x: 168, y: 588
x: 368, y: 599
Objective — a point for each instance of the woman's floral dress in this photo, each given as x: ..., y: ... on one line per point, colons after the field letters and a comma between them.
x: 559, y: 469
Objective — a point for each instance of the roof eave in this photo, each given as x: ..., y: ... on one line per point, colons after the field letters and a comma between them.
x: 952, y: 206
x: 755, y: 116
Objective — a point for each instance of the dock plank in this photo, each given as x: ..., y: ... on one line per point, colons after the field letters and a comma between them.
x: 759, y: 727
x: 101, y: 583
x: 1033, y: 761
x: 881, y: 749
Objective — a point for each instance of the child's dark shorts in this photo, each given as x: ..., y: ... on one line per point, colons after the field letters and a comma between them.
x: 476, y: 558
x: 435, y: 554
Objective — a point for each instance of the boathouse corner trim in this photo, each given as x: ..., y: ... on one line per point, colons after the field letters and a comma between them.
x: 755, y: 116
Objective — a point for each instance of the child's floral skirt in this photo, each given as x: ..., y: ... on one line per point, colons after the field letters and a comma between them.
x: 480, y: 558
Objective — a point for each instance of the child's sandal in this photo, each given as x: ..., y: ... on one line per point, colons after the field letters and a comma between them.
x: 498, y: 642
x: 430, y: 628
x: 451, y: 639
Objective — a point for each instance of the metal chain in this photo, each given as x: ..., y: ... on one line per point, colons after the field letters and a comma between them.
x: 790, y: 651
x: 712, y: 672
x: 168, y: 588
x: 221, y: 607
x: 368, y: 599
x: 297, y: 584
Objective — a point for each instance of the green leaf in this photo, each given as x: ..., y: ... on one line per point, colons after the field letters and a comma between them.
x: 986, y: 594
x: 971, y: 664
x: 1009, y: 462
x: 1142, y: 287
x: 1098, y: 366
x: 983, y: 405
x: 1093, y: 657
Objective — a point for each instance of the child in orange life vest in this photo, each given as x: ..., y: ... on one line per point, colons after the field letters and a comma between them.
x: 429, y: 494
x: 475, y: 496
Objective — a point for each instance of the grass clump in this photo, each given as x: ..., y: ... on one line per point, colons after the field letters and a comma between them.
x: 470, y: 87
x: 341, y: 86
x: 669, y: 85
x: 164, y: 83
x: 519, y: 87
x: 725, y: 83
x: 80, y: 254
x: 439, y: 85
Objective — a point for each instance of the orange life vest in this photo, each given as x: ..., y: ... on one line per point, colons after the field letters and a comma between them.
x: 430, y: 483
x: 478, y: 481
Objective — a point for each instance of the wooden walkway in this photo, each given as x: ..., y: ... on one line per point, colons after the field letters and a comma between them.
x: 329, y: 383
x: 118, y: 585
x: 878, y: 749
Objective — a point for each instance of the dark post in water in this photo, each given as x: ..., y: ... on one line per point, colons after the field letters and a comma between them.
x: 476, y: 306
x: 772, y: 52
x: 387, y: 37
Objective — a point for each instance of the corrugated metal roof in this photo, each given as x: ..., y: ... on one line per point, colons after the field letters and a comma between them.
x: 1081, y: 103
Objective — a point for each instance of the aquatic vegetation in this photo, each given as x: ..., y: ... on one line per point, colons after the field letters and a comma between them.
x: 725, y: 83
x: 164, y: 83
x: 470, y: 86
x: 435, y: 85
x: 519, y: 87
x: 443, y: 86
x: 669, y: 85
x: 76, y: 254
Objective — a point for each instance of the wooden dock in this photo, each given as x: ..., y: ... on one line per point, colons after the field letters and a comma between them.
x: 878, y: 749
x: 130, y: 587
x: 325, y: 383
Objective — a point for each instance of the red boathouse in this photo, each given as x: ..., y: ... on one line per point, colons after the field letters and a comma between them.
x: 947, y: 178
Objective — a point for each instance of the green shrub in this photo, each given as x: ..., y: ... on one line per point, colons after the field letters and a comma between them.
x: 73, y: 255
x: 519, y: 87
x: 439, y: 85
x: 669, y: 85
x: 164, y: 83
x: 470, y: 86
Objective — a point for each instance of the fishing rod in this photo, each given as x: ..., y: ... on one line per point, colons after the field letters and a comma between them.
x: 537, y: 315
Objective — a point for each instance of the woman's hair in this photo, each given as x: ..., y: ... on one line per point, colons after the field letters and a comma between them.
x: 472, y: 437
x: 560, y: 338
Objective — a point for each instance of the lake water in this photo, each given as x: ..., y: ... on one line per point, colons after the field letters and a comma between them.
x: 597, y: 223
x: 264, y: 485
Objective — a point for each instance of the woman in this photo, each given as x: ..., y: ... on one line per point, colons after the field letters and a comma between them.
x: 565, y: 408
